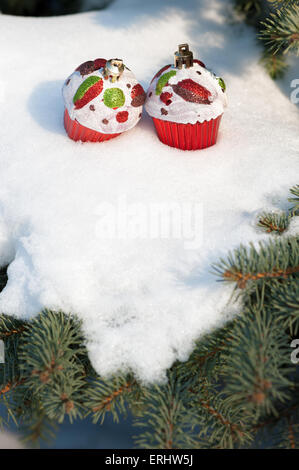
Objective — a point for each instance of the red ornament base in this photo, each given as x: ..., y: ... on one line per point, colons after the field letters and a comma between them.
x: 188, y: 136
x: 78, y: 132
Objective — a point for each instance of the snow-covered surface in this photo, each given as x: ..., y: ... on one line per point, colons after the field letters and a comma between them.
x: 180, y: 110
x: 293, y: 228
x: 9, y: 441
x: 144, y: 300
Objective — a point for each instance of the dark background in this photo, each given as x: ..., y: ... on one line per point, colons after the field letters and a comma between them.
x: 49, y: 7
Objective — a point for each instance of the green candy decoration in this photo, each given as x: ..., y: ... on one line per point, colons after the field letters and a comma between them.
x: 221, y: 83
x: 114, y: 98
x: 163, y: 80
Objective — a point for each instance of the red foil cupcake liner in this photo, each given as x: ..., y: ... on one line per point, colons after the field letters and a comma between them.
x: 76, y: 131
x: 188, y: 136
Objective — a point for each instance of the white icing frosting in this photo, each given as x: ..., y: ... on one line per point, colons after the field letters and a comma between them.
x: 180, y: 110
x: 95, y: 114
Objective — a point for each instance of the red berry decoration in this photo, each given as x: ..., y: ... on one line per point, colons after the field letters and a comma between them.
x: 199, y: 62
x: 90, y: 66
x: 85, y: 68
x: 138, y: 96
x: 165, y: 97
x: 192, y: 91
x: 99, y: 63
x: 122, y: 116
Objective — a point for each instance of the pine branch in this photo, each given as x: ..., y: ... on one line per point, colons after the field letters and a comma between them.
x: 277, y: 259
x: 291, y: 434
x: 295, y: 200
x: 165, y: 417
x: 281, y: 30
x: 63, y: 397
x: 11, y: 332
x: 219, y: 426
x: 275, y: 64
x: 51, y: 353
x: 274, y: 431
x: 284, y: 414
x: 108, y: 400
x: 285, y: 304
x: 111, y: 395
x: 10, y: 326
x: 250, y: 9
x: 10, y: 386
x: 263, y: 384
x: 38, y: 428
x: 208, y: 357
x: 274, y: 223
x: 282, y: 3
x: 276, y: 23
x: 233, y: 428
x: 51, y: 345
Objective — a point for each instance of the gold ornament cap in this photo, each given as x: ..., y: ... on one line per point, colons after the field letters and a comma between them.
x: 114, y: 69
x: 183, y: 57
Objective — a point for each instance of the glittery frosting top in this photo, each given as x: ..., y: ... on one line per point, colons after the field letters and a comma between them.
x: 103, y: 100
x: 186, y: 95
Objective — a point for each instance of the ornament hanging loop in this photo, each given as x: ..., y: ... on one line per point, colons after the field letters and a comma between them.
x: 183, y: 57
x: 114, y: 69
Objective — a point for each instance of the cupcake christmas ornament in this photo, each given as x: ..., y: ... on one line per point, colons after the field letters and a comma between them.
x: 102, y: 100
x: 186, y: 102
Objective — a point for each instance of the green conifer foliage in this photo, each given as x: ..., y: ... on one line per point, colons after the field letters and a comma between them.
x: 277, y: 24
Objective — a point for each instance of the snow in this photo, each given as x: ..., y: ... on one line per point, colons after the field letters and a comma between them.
x: 144, y: 298
x: 293, y: 228
x: 9, y: 441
